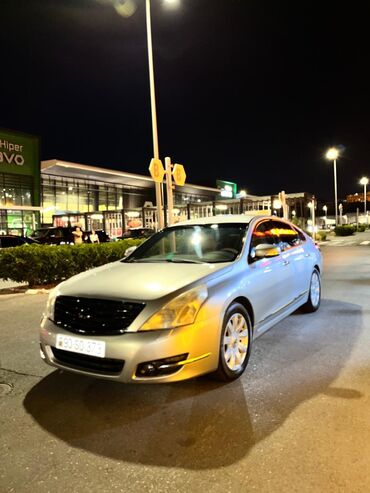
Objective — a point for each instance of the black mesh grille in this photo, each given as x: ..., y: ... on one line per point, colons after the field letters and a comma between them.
x: 90, y: 316
x: 92, y: 363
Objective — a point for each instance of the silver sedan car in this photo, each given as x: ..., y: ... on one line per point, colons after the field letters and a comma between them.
x: 188, y: 301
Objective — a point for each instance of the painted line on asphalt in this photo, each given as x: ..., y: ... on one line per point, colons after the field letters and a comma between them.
x: 365, y: 243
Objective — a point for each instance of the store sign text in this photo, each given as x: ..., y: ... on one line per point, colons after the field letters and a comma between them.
x: 11, y: 153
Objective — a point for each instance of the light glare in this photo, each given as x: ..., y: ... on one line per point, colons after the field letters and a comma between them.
x: 172, y: 3
x: 364, y: 180
x: 332, y: 154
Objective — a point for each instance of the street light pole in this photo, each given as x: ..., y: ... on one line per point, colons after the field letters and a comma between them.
x: 335, y: 191
x: 158, y: 191
x: 364, y: 181
x: 325, y: 209
x: 332, y: 155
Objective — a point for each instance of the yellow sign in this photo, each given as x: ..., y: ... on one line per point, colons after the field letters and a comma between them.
x: 179, y: 174
x: 156, y: 170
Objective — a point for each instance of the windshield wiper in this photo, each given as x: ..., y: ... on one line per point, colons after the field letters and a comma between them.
x: 147, y: 260
x: 184, y: 261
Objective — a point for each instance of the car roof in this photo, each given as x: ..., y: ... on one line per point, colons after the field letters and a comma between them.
x: 221, y: 219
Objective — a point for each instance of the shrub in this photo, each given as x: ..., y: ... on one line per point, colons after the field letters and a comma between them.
x: 345, y: 230
x: 46, y: 264
x: 321, y: 235
x: 361, y: 228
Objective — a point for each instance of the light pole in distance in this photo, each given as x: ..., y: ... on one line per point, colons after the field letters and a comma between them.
x: 332, y: 155
x: 364, y: 181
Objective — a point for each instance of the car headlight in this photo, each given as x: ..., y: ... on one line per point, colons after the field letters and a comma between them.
x: 49, y: 312
x: 182, y: 310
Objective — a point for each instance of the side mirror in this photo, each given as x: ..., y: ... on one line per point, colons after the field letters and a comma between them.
x: 130, y: 250
x: 265, y: 251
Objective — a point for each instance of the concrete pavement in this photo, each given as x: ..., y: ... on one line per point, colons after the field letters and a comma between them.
x: 297, y: 421
x: 358, y: 239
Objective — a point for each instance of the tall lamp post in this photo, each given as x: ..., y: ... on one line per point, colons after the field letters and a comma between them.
x: 325, y: 209
x: 332, y: 155
x: 364, y: 181
x: 158, y: 186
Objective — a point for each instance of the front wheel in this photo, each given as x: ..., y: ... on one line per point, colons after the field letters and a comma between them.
x: 235, y: 343
x: 314, y: 296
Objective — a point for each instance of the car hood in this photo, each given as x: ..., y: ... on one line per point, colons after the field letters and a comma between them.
x: 137, y: 281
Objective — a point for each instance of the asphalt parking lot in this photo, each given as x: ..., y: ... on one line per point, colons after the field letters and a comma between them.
x: 298, y: 419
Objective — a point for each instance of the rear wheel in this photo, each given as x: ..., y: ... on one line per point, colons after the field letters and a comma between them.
x: 235, y: 343
x: 314, y: 297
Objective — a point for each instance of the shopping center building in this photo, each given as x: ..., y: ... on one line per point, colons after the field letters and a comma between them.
x: 20, y: 197
x: 66, y: 194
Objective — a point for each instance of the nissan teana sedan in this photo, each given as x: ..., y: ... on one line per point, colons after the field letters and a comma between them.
x: 190, y: 300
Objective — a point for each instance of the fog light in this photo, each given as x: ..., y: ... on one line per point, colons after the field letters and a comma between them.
x: 147, y: 369
x: 159, y: 367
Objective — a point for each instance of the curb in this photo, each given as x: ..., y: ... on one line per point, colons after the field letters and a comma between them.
x: 37, y: 291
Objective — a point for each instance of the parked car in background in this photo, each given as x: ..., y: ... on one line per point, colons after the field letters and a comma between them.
x: 8, y: 241
x: 56, y: 235
x: 102, y: 235
x: 135, y: 233
x: 190, y: 300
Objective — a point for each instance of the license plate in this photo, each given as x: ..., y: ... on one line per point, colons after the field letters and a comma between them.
x: 82, y: 346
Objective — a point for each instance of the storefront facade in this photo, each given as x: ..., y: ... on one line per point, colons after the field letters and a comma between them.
x: 99, y: 198
x: 19, y: 183
x: 68, y: 194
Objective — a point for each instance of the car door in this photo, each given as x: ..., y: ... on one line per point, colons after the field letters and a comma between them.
x: 293, y: 250
x: 270, y: 279
x: 291, y: 256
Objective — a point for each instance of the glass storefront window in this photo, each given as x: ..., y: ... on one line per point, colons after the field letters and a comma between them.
x: 83, y: 201
x: 95, y: 221
x: 3, y: 223
x: 112, y: 199
x: 48, y: 203
x: 61, y: 198
x: 17, y: 222
x: 103, y: 198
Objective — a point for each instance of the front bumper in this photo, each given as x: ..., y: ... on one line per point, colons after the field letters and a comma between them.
x: 200, y: 341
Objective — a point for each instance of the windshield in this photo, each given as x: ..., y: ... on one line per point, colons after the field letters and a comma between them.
x: 210, y: 243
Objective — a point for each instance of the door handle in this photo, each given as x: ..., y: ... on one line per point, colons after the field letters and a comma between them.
x: 286, y: 262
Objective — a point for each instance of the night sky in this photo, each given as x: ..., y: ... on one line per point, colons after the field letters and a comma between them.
x: 249, y: 91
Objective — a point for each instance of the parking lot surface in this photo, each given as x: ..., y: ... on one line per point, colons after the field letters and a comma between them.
x: 298, y: 419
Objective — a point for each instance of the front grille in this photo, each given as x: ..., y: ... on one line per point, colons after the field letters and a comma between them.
x: 91, y: 316
x: 105, y: 366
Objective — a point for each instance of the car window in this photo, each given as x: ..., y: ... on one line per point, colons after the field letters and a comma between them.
x: 287, y: 235
x: 193, y: 244
x: 263, y: 234
x: 300, y: 234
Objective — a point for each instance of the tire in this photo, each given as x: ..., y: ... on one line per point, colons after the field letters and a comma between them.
x: 235, y: 343
x: 314, y: 296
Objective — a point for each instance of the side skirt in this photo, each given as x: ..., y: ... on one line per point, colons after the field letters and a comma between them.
x: 275, y: 318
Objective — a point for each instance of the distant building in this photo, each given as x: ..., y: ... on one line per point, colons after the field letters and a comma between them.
x: 65, y: 194
x: 358, y: 197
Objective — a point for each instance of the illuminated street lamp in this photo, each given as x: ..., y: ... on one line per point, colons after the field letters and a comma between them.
x: 126, y: 9
x: 364, y: 181
x: 332, y: 155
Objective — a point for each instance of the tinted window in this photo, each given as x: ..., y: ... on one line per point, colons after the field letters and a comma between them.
x: 288, y: 236
x: 263, y: 234
x: 300, y: 234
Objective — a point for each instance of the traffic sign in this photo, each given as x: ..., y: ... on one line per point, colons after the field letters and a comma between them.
x: 156, y: 170
x: 179, y: 174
